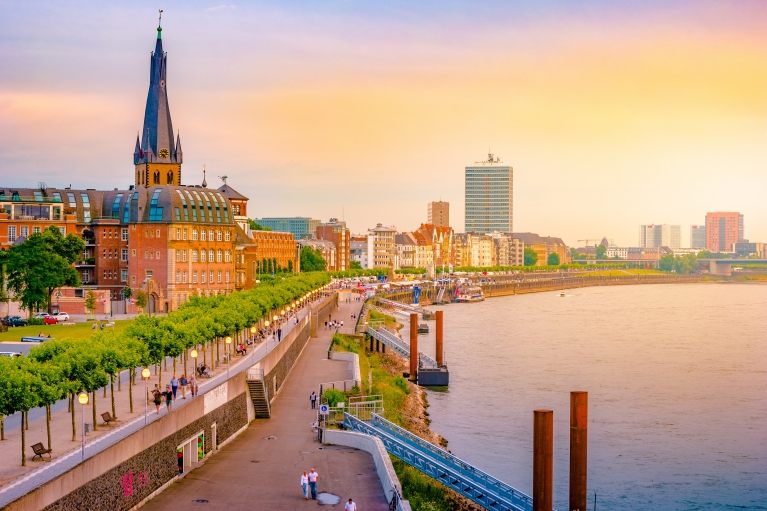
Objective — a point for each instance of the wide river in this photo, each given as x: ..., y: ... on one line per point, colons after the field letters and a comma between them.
x: 677, y: 383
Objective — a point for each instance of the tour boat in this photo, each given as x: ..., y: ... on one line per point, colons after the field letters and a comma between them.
x: 467, y: 294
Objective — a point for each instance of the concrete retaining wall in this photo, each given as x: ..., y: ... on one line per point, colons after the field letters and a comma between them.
x: 375, y: 447
x: 123, y: 475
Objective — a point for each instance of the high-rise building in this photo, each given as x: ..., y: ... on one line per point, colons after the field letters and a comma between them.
x: 489, y: 196
x: 300, y: 227
x: 651, y: 236
x: 722, y: 230
x: 439, y: 214
x: 698, y: 236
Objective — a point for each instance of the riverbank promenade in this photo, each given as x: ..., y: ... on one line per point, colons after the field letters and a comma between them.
x: 261, y: 468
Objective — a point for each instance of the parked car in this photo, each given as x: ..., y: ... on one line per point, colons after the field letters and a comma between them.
x: 50, y: 320
x: 41, y: 315
x: 12, y: 354
x: 61, y: 316
x: 14, y: 321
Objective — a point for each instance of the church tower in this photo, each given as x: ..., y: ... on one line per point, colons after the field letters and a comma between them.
x: 157, y: 156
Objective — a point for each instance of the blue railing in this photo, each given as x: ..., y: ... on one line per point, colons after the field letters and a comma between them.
x: 442, y: 466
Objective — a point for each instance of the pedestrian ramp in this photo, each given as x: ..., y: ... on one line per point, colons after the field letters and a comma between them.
x: 399, y: 346
x: 472, y: 483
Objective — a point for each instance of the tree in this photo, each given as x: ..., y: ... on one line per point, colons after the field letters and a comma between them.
x: 140, y: 300
x: 42, y: 264
x: 90, y: 301
x: 355, y: 265
x: 312, y: 260
x: 530, y: 257
x: 255, y: 226
x: 601, y: 252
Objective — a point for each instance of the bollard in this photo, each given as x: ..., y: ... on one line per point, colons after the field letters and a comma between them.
x: 579, y: 415
x: 439, y: 339
x: 543, y: 459
x: 414, y: 347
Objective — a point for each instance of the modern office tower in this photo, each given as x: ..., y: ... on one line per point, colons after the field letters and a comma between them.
x: 651, y: 236
x: 300, y: 227
x: 439, y: 214
x: 722, y: 230
x: 698, y: 236
x: 489, y: 196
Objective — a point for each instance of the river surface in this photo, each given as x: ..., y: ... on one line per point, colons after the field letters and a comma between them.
x: 677, y: 382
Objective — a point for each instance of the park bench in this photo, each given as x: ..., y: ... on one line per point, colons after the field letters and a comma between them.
x: 39, y: 450
x: 108, y: 419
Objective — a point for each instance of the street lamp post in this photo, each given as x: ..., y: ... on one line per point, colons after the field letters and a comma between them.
x: 145, y: 374
x: 228, y: 342
x: 82, y: 398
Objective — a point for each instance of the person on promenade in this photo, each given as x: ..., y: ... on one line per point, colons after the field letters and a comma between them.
x: 157, y: 399
x: 193, y: 386
x: 305, y: 485
x: 174, y: 385
x: 350, y: 506
x: 313, y: 399
x: 183, y: 382
x: 168, y: 397
x: 313, y: 477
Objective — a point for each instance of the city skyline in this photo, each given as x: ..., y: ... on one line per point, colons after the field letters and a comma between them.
x: 642, y: 128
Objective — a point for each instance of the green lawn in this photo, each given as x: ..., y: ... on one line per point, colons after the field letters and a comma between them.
x: 77, y: 331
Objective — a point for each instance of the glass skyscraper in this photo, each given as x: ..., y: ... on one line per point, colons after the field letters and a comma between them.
x: 489, y: 196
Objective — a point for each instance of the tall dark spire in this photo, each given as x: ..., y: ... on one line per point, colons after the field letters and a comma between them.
x: 157, y: 144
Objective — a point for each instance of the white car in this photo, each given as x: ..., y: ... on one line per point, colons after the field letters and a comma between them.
x: 61, y: 316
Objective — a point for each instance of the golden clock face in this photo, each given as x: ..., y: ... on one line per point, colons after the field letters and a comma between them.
x: 164, y: 153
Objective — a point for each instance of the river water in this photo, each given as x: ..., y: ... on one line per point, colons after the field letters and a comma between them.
x: 677, y: 382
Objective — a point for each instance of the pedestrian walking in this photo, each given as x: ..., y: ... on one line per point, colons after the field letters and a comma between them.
x: 168, y: 397
x: 305, y: 485
x: 174, y: 386
x: 313, y: 477
x: 350, y: 506
x: 157, y: 399
x: 313, y: 399
x: 193, y: 386
x: 183, y: 382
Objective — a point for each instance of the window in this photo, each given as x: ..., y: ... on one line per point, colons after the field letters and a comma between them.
x: 125, y: 235
x: 202, y: 256
x: 178, y: 277
x: 11, y: 233
x: 202, y: 274
x: 183, y: 255
x: 227, y: 236
x: 227, y: 256
x: 203, y: 234
x: 218, y: 236
x: 194, y: 234
x: 123, y: 275
x: 194, y: 256
x: 218, y: 255
x: 24, y: 231
x: 124, y: 254
x: 210, y: 256
x: 219, y: 276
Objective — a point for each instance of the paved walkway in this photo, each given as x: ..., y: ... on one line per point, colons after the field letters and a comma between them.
x: 16, y: 480
x: 252, y: 472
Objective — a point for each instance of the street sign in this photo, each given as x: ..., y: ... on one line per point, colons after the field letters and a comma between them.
x: 324, y: 409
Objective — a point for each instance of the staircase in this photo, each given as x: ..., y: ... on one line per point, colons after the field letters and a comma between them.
x: 259, y: 394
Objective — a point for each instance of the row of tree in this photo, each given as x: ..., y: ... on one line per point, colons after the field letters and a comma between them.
x: 58, y: 369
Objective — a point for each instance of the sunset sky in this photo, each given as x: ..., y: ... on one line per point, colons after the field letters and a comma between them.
x: 613, y: 114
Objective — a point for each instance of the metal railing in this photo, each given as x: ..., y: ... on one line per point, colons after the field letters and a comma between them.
x: 442, y: 466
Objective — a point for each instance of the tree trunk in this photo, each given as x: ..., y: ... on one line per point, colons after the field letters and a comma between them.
x: 48, y: 423
x: 74, y: 424
x: 112, y: 391
x: 23, y: 443
x: 94, y: 411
